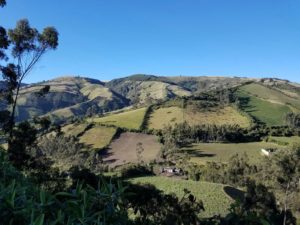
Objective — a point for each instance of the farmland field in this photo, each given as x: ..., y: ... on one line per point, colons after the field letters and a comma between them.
x: 123, y: 149
x: 129, y: 119
x: 74, y: 129
x: 219, y: 152
x: 97, y: 137
x: 265, y: 111
x: 215, y: 200
x: 174, y: 114
x: 270, y: 95
x: 285, y: 140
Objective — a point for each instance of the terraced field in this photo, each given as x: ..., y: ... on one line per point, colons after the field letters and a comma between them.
x: 174, y: 114
x: 123, y: 149
x: 132, y: 119
x: 215, y: 200
x: 219, y: 152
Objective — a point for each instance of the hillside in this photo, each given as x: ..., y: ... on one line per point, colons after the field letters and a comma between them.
x: 144, y: 89
x: 80, y: 97
x: 68, y: 97
x: 269, y: 103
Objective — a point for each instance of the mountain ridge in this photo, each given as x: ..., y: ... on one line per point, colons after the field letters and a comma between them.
x: 76, y: 96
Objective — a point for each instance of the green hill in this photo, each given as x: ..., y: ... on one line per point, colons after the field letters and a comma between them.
x: 267, y: 104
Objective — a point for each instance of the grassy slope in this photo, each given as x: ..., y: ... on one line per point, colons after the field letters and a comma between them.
x: 265, y: 111
x: 214, y: 198
x: 130, y: 119
x: 203, y: 152
x: 271, y: 95
x: 97, y: 137
x: 74, y: 129
x: 171, y: 115
x: 285, y: 140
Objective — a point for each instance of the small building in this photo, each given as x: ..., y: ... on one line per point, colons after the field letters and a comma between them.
x: 171, y: 170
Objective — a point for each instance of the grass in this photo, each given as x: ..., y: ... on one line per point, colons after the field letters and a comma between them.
x: 215, y: 200
x: 129, y: 119
x: 269, y: 113
x: 285, y: 140
x: 97, y: 137
x: 123, y: 149
x: 74, y: 129
x: 270, y: 95
x: 219, y: 152
x: 174, y: 114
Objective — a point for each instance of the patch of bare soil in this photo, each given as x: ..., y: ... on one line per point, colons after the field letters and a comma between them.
x: 124, y: 149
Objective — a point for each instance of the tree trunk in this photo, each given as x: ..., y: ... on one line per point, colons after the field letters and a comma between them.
x: 12, y: 117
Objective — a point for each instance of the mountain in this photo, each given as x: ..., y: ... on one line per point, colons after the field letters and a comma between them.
x: 80, y: 96
x: 68, y: 97
x: 143, y: 89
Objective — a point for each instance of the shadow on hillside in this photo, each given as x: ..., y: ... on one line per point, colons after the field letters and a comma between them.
x: 105, y: 153
x: 198, y: 153
x: 234, y: 193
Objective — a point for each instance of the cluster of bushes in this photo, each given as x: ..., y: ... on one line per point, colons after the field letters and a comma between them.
x: 236, y: 172
x: 90, y: 200
x: 293, y: 120
x: 184, y: 133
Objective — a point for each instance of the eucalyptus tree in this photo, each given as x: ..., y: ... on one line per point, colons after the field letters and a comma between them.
x: 21, y: 48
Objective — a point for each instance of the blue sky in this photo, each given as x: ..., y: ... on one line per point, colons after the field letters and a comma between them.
x: 106, y: 39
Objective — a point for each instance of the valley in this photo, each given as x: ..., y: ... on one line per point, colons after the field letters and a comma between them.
x: 141, y: 123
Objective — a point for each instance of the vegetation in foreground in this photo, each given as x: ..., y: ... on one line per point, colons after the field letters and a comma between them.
x: 213, y: 196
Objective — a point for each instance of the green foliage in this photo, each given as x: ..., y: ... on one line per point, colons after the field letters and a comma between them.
x: 151, y: 206
x: 258, y: 207
x: 2, y: 3
x: 66, y: 152
x: 184, y: 134
x: 23, y: 203
x: 282, y: 172
x: 293, y: 120
x: 23, y: 137
x: 215, y: 200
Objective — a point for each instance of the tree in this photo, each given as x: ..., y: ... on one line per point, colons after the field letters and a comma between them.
x: 258, y: 207
x: 293, y: 120
x: 2, y: 3
x: 283, y: 171
x: 27, y: 46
